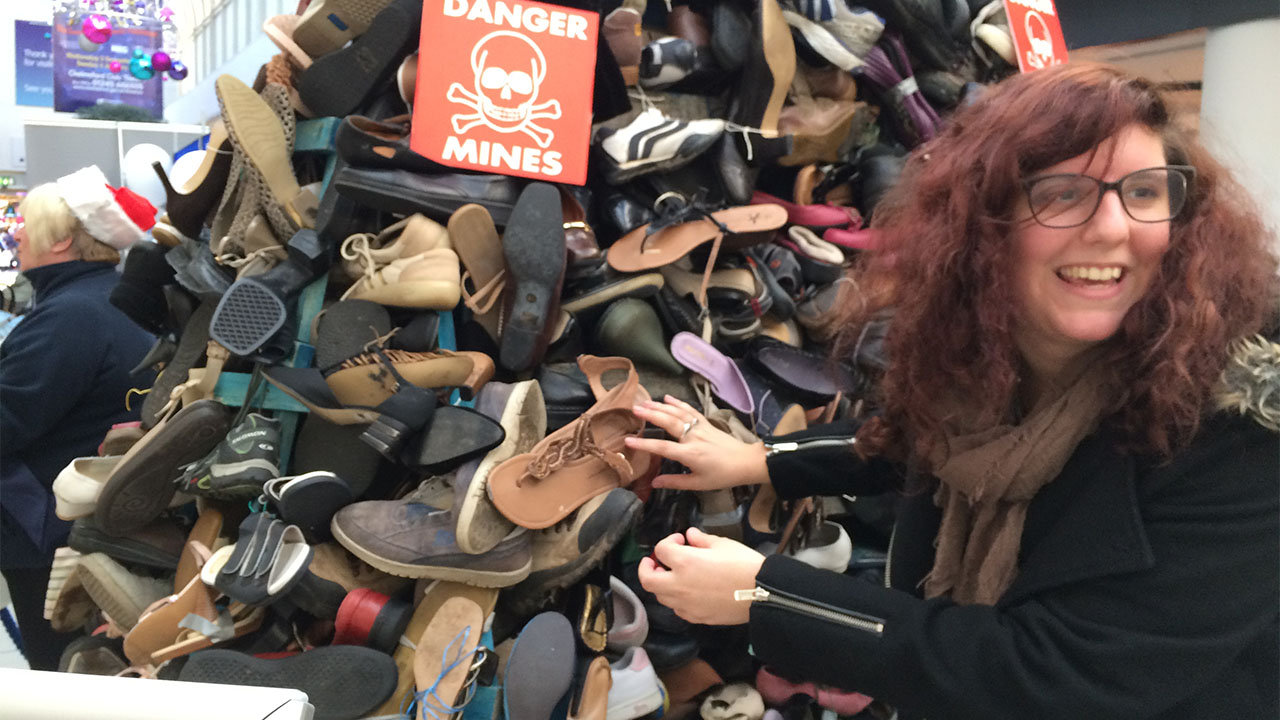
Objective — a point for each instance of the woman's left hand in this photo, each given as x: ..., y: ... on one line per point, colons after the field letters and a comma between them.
x: 701, y: 573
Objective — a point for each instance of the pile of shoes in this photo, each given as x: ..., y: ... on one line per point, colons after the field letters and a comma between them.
x: 435, y: 512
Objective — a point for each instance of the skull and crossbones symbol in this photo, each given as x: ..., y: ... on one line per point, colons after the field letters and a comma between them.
x: 509, y: 68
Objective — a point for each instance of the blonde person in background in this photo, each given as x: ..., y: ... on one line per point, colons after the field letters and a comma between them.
x: 64, y: 373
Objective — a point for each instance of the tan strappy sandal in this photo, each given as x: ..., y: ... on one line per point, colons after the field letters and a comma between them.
x: 583, y: 459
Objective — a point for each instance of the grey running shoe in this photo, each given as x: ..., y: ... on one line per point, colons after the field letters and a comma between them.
x: 240, y: 464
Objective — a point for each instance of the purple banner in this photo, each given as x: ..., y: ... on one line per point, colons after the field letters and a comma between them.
x: 32, y: 64
x: 82, y: 71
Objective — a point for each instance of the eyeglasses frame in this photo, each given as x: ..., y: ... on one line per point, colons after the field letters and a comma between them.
x: 1187, y: 171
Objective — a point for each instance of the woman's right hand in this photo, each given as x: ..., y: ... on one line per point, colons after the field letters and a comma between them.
x: 715, y: 459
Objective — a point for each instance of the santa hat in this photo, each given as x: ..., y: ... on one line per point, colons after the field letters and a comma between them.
x: 118, y: 217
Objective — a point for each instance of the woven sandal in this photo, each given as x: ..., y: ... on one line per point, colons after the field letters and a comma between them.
x: 583, y: 459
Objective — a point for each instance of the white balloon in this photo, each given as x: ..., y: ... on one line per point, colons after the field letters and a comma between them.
x: 185, y: 166
x: 139, y: 175
x: 88, y: 45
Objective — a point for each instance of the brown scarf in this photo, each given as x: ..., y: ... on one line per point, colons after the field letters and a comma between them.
x: 988, y: 477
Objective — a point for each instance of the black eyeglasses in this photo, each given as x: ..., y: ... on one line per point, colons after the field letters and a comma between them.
x: 1150, y: 195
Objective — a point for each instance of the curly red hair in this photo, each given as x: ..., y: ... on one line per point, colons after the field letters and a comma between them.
x: 946, y: 273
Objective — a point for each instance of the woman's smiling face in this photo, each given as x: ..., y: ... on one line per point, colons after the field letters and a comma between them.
x: 1077, y: 284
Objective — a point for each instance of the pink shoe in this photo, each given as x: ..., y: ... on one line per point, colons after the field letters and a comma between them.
x: 776, y: 691
x: 865, y: 239
x: 813, y: 216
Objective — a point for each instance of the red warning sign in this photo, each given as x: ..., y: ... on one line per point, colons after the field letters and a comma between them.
x: 1037, y: 34
x: 505, y: 87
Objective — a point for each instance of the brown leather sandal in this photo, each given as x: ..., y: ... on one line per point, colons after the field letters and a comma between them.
x: 735, y: 227
x: 583, y: 459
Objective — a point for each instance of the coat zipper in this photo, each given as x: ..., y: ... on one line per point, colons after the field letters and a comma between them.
x: 888, y: 558
x: 776, y: 448
x: 763, y: 594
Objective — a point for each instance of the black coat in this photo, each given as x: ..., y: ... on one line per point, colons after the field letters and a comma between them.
x: 1144, y: 591
x: 64, y: 375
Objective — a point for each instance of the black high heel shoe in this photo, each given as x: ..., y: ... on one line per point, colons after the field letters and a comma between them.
x: 189, y: 205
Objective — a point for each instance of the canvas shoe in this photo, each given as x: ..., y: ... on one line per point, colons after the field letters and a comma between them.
x: 654, y: 142
x: 239, y: 466
x: 636, y: 689
x: 410, y: 539
x: 522, y: 412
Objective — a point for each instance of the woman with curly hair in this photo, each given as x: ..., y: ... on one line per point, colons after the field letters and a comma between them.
x: 1080, y: 409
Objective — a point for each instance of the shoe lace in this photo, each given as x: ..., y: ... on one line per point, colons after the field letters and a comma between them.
x: 560, y: 452
x: 428, y: 700
x: 359, y: 249
x: 375, y: 354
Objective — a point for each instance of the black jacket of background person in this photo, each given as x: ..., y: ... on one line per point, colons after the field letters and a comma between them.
x: 1145, y: 590
x: 64, y: 373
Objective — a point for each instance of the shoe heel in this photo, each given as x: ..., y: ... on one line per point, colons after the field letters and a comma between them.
x: 386, y: 435
x: 170, y: 194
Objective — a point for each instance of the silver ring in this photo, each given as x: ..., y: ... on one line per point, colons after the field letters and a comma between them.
x: 687, y: 427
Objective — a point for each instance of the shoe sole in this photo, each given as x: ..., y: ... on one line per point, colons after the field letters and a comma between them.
x: 336, y: 84
x: 539, y: 669
x: 255, y: 128
x: 478, y: 578
x: 327, y: 25
x: 87, y: 539
x: 247, y: 317
x: 479, y: 248
x: 142, y: 485
x: 65, y: 562
x: 534, y: 248
x: 120, y: 594
x: 480, y: 527
x: 341, y: 681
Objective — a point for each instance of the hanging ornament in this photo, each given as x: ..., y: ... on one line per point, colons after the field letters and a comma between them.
x: 166, y: 14
x: 178, y: 70
x: 160, y: 61
x: 141, y: 68
x: 115, y: 66
x: 138, y: 52
x: 97, y: 28
x: 88, y: 45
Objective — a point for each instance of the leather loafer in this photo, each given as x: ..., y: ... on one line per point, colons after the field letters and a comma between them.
x: 436, y: 196
x: 368, y: 143
x: 566, y: 392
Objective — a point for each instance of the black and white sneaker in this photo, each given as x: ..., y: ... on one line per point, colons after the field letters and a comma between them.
x: 679, y: 65
x: 654, y: 142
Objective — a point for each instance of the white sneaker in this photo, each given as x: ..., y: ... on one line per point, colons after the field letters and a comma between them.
x: 654, y: 142
x: 630, y: 622
x: 829, y: 549
x: 636, y: 689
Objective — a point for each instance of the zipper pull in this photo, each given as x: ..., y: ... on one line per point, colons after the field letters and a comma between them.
x: 771, y: 449
x: 757, y: 593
